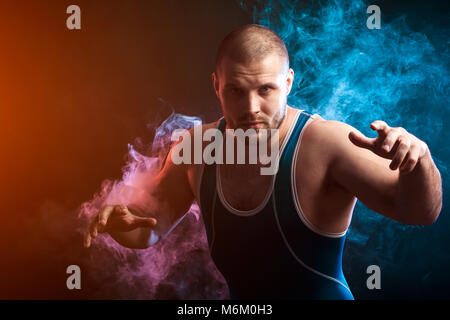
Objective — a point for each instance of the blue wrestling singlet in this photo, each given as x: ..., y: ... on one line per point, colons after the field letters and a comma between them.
x: 272, y: 251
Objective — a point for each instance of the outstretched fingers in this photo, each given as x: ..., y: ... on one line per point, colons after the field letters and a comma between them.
x: 97, y: 224
x: 361, y: 140
x: 89, y: 232
x: 87, y: 239
x: 144, y: 222
x: 103, y: 216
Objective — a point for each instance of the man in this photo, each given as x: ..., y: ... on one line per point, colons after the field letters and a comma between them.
x: 282, y: 235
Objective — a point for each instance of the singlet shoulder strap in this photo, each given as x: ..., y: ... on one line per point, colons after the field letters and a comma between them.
x: 222, y: 124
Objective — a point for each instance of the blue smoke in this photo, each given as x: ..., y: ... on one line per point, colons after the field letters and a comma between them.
x: 347, y: 72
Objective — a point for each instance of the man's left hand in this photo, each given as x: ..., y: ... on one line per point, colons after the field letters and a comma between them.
x: 397, y: 144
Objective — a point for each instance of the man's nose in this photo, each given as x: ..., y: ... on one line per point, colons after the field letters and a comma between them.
x: 252, y: 103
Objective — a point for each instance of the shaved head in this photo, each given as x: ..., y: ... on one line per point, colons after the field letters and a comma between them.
x: 250, y: 43
x: 252, y: 78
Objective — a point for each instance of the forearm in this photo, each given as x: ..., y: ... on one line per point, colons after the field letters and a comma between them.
x: 419, y: 193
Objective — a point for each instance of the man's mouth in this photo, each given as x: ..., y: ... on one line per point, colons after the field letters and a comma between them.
x: 252, y: 124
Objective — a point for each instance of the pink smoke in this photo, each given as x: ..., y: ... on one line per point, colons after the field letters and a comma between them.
x: 177, y: 267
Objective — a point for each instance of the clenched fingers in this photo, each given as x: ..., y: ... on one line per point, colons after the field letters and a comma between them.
x: 401, y: 152
x: 410, y: 160
x: 391, y: 138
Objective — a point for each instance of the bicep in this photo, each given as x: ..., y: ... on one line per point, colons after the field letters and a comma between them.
x: 362, y: 173
x: 173, y: 191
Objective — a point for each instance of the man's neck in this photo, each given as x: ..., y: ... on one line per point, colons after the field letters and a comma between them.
x: 282, y: 131
x: 285, y: 123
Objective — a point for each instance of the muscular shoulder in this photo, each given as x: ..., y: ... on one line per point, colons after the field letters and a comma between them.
x: 185, y: 140
x: 329, y: 145
x: 328, y: 137
x: 192, y: 169
x: 325, y: 144
x: 181, y: 177
x: 205, y: 126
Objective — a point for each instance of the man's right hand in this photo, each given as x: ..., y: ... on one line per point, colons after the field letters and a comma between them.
x: 115, y: 219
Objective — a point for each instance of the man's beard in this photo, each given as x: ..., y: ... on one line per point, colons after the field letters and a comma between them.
x: 267, y: 131
x: 279, y: 117
x: 265, y: 123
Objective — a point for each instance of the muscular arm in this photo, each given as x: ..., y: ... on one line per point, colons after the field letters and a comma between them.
x: 412, y: 198
x: 424, y: 184
x: 170, y: 198
x: 157, y: 204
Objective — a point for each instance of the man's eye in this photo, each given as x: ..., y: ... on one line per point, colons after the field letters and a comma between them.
x: 265, y: 89
x: 235, y: 90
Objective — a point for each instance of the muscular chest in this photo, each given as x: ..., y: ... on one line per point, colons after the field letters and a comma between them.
x: 243, y: 189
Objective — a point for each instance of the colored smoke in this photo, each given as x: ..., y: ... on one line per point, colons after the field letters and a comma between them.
x: 347, y: 72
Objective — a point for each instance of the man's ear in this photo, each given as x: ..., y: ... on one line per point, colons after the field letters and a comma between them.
x: 215, y: 81
x: 289, y: 80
